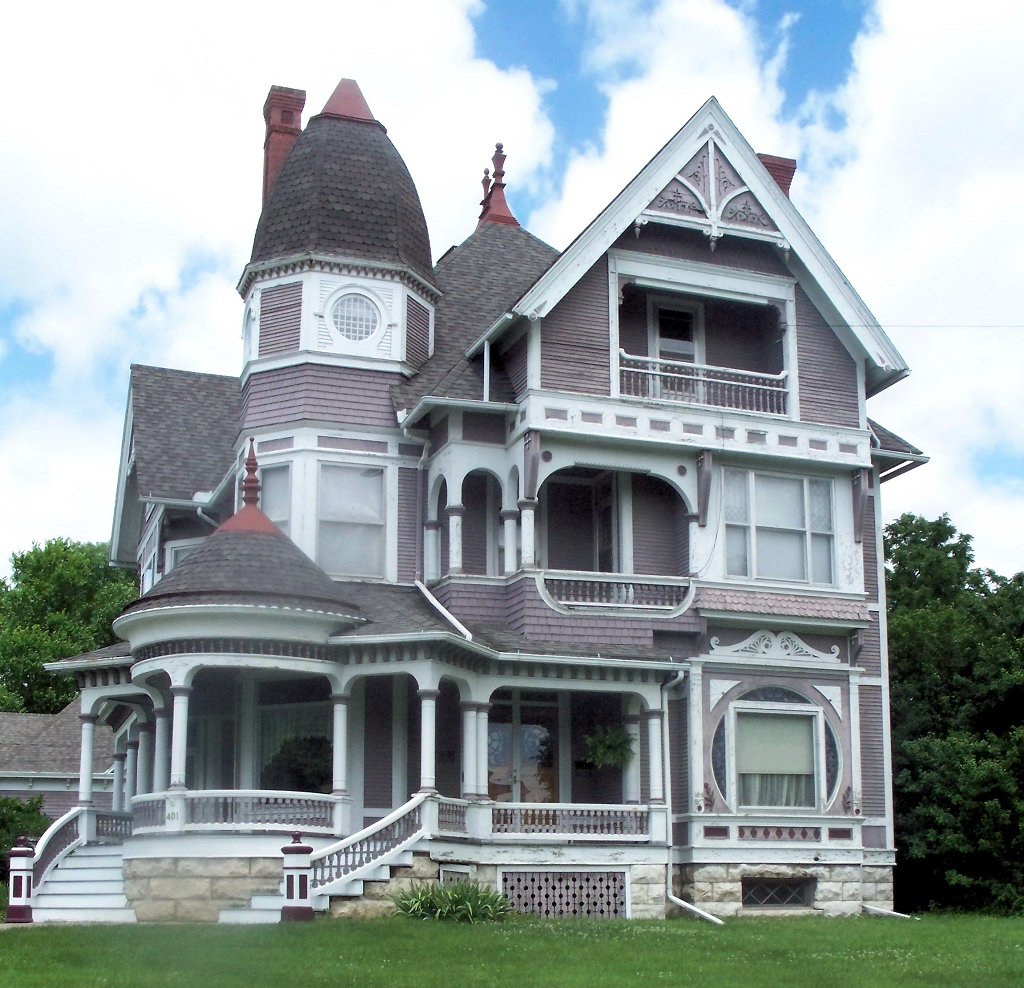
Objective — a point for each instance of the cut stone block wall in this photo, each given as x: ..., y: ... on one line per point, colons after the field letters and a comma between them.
x: 840, y: 890
x: 195, y: 890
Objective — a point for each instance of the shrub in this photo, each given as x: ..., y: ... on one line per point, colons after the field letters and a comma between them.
x: 19, y: 818
x: 462, y: 902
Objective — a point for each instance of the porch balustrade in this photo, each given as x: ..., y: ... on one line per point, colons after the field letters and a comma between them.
x: 660, y: 593
x: 547, y: 820
x: 701, y: 384
x: 236, y: 810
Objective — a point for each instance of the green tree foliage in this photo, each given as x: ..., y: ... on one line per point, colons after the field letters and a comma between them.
x: 60, y: 601
x: 956, y: 653
x: 19, y: 819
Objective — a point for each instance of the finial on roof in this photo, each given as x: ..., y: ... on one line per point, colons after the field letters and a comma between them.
x: 251, y: 484
x: 495, y: 208
x: 486, y: 183
x: 347, y: 101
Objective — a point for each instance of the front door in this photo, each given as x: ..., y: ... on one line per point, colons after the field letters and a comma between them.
x: 522, y: 747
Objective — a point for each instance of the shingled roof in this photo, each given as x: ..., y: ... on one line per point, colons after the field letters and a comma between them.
x: 480, y: 279
x: 890, y: 442
x: 184, y: 426
x: 345, y: 191
x: 50, y: 744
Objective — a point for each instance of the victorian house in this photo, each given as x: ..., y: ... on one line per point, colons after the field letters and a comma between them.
x: 558, y: 571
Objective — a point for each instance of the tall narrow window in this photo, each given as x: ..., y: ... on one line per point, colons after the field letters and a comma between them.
x: 675, y: 335
x: 351, y: 541
x: 276, y: 496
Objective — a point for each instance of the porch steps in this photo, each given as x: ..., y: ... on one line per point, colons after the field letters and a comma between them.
x: 86, y: 887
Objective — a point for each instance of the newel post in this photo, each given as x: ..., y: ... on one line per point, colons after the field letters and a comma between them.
x: 19, y: 907
x: 298, y: 868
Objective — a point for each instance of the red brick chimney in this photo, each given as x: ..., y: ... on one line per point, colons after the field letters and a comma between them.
x: 781, y: 169
x: 283, y: 114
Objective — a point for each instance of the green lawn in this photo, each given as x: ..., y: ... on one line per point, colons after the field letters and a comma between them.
x: 749, y: 953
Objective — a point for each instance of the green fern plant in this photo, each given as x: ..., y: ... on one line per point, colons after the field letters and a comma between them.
x: 610, y: 746
x: 461, y: 902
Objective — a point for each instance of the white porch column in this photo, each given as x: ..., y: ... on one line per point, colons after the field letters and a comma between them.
x: 654, y: 756
x: 527, y: 515
x: 470, y: 779
x: 481, y: 749
x: 117, y: 800
x: 631, y: 770
x: 339, y: 764
x: 428, y: 743
x: 510, y: 519
x: 431, y: 551
x: 131, y: 771
x: 179, y: 736
x: 161, y: 749
x: 145, y: 776
x: 85, y: 763
x: 455, y: 514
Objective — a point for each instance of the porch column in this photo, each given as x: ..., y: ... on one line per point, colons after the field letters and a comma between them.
x: 631, y: 770
x: 527, y: 514
x: 117, y: 800
x: 85, y: 763
x: 481, y: 749
x: 455, y: 513
x: 469, y: 750
x: 179, y: 736
x: 131, y: 771
x: 161, y: 749
x: 145, y: 776
x: 510, y: 519
x: 339, y: 746
x: 428, y: 744
x: 431, y: 551
x: 654, y: 756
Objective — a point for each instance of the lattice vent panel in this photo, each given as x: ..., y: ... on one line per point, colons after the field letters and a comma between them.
x: 597, y: 894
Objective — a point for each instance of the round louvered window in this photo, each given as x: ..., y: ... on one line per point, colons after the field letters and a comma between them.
x: 355, y: 317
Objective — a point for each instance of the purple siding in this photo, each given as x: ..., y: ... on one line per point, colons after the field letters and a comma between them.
x: 678, y: 752
x: 439, y: 434
x: 570, y: 526
x: 659, y: 534
x: 587, y: 712
x: 342, y: 395
x: 408, y: 524
x: 691, y: 245
x: 645, y: 763
x: 872, y: 751
x: 473, y: 601
x: 448, y: 765
x: 633, y: 336
x: 280, y: 318
x: 827, y: 372
x: 474, y: 524
x: 479, y: 427
x: 377, y: 760
x: 871, y: 547
x: 870, y: 658
x: 574, y: 337
x: 417, y: 321
x: 514, y: 359
x: 744, y: 337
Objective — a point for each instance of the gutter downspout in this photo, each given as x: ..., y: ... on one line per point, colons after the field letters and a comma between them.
x: 879, y: 911
x: 209, y: 521
x: 669, y: 894
x: 445, y: 613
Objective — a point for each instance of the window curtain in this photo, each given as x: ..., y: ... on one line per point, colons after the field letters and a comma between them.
x: 351, y: 520
x: 775, y: 759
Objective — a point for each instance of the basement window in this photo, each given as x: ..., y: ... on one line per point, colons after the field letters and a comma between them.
x: 778, y: 893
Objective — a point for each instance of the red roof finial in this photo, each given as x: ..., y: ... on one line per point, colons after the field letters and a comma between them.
x: 486, y: 183
x: 495, y: 207
x: 347, y: 102
x: 251, y: 484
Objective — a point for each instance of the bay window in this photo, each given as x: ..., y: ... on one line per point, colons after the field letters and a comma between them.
x: 775, y: 759
x: 351, y: 535
x: 778, y: 527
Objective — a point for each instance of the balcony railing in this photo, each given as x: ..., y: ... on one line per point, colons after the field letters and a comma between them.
x: 700, y: 384
x: 616, y: 590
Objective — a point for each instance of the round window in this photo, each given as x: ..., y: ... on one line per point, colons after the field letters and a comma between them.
x: 355, y: 317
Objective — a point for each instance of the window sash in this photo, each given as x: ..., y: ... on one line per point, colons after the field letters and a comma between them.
x: 351, y: 532
x: 776, y: 758
x: 276, y: 495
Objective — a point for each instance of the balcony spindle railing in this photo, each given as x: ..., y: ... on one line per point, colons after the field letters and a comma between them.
x: 701, y: 384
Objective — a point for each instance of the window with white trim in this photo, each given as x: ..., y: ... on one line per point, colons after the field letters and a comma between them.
x: 676, y: 329
x: 354, y: 317
x: 778, y: 527
x: 178, y: 550
x: 276, y: 495
x: 351, y: 537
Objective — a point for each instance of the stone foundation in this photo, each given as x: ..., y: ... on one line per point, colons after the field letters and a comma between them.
x: 839, y: 890
x: 195, y: 890
x: 375, y: 902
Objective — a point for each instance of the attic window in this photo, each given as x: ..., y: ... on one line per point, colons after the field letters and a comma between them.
x: 355, y: 317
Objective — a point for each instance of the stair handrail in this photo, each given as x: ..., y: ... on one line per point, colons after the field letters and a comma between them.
x: 58, y: 840
x: 329, y: 864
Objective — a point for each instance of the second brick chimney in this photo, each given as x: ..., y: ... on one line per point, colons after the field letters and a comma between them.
x: 781, y: 169
x: 283, y: 114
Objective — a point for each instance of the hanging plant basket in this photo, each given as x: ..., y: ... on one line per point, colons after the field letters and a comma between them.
x: 610, y: 746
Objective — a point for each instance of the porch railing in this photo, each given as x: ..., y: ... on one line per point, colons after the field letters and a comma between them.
x: 113, y: 827
x: 568, y: 820
x: 62, y: 836
x: 582, y: 590
x: 701, y: 384
x: 235, y: 809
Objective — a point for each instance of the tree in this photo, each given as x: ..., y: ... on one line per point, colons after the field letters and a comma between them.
x: 60, y: 601
x: 956, y: 652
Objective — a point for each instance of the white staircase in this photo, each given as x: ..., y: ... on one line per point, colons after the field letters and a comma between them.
x: 85, y: 886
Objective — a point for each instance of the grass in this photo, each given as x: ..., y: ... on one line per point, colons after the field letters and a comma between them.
x: 753, y: 953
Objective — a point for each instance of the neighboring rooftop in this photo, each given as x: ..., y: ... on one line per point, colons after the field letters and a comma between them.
x: 49, y: 744
x: 184, y: 426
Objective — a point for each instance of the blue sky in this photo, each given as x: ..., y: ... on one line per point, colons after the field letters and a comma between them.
x: 129, y: 191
